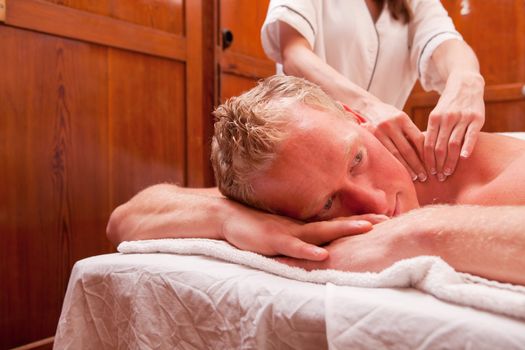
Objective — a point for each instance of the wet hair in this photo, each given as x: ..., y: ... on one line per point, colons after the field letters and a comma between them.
x: 250, y: 127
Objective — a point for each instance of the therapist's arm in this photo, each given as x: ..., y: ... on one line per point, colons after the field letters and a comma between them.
x: 170, y: 211
x: 455, y: 122
x: 391, y: 126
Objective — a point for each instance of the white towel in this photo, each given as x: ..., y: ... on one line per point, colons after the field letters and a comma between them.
x: 429, y: 274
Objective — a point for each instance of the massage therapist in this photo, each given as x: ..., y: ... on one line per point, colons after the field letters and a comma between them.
x: 369, y: 53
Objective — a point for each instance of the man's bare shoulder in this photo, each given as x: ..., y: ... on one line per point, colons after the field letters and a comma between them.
x: 498, y: 163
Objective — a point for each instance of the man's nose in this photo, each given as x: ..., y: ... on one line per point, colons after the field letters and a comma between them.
x: 358, y: 199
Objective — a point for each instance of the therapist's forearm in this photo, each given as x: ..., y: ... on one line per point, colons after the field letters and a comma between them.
x: 299, y: 60
x: 456, y: 58
x: 169, y: 211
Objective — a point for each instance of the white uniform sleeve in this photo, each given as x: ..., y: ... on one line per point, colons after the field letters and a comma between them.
x: 299, y: 14
x: 430, y: 27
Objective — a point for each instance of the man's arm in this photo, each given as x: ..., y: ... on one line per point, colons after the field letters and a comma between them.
x: 485, y: 241
x: 169, y: 211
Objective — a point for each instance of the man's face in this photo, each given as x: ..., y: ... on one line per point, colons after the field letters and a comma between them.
x: 331, y: 167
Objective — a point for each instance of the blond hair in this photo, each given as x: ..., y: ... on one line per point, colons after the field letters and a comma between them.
x: 250, y: 127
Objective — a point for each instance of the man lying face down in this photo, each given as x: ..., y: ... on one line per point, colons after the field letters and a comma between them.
x: 287, y: 148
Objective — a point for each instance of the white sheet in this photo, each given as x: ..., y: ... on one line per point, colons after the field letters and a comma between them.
x: 165, y: 301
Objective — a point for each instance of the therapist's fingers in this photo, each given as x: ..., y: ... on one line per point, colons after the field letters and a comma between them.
x: 391, y: 147
x: 410, y: 145
x: 430, y: 145
x: 326, y: 231
x: 454, y: 148
x: 471, y: 137
x: 446, y: 125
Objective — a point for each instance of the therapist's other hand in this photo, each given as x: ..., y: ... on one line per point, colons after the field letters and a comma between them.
x: 454, y: 124
x: 271, y: 235
x: 399, y: 135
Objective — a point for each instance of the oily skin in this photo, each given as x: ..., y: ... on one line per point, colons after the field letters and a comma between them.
x: 329, y: 166
x: 326, y: 156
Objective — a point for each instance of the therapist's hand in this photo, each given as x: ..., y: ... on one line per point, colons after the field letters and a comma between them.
x: 454, y: 124
x: 271, y: 235
x: 399, y: 135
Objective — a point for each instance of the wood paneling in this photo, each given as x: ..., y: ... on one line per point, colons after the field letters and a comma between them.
x: 147, y: 109
x: 54, y: 206
x: 165, y: 15
x: 234, y: 85
x: 201, y: 88
x: 244, y: 62
x: 64, y: 21
x: 83, y: 127
x: 244, y: 19
x: 495, y: 30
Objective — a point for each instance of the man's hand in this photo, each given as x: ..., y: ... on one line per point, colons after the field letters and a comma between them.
x: 399, y: 135
x: 389, y: 241
x: 454, y: 124
x: 270, y: 234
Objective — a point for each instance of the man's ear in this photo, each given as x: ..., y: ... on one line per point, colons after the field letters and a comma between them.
x: 358, y: 118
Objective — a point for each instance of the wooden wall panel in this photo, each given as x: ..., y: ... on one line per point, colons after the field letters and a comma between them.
x: 234, y: 85
x: 244, y: 62
x: 90, y: 113
x: 244, y: 19
x: 147, y: 108
x: 54, y: 209
x: 166, y: 15
x: 495, y: 29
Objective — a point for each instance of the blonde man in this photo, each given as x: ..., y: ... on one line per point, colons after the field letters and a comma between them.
x: 287, y: 148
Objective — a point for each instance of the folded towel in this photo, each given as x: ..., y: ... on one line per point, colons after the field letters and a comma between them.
x: 429, y: 274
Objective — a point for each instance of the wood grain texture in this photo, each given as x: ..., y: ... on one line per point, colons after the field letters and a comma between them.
x: 234, y: 85
x: 201, y: 85
x: 64, y: 21
x: 496, y: 32
x: 165, y: 15
x: 55, y: 207
x: 147, y: 127
x: 244, y: 19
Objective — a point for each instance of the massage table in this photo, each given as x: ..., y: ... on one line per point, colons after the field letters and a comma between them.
x: 151, y: 300
x: 204, y: 294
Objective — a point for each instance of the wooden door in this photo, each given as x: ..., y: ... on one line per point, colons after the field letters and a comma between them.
x: 495, y: 29
x: 243, y: 62
x: 98, y: 99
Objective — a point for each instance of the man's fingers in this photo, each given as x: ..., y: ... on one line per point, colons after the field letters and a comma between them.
x: 296, y: 248
x: 303, y: 264
x: 326, y: 231
x: 372, y: 218
x: 454, y: 148
x: 471, y: 137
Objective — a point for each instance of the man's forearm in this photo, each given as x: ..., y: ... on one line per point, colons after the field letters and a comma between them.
x: 485, y: 241
x: 169, y: 211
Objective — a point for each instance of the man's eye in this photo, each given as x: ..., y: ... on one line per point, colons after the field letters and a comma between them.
x: 328, y: 204
x: 358, y: 158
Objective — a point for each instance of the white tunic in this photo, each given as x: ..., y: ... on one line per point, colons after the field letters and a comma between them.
x: 384, y: 58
